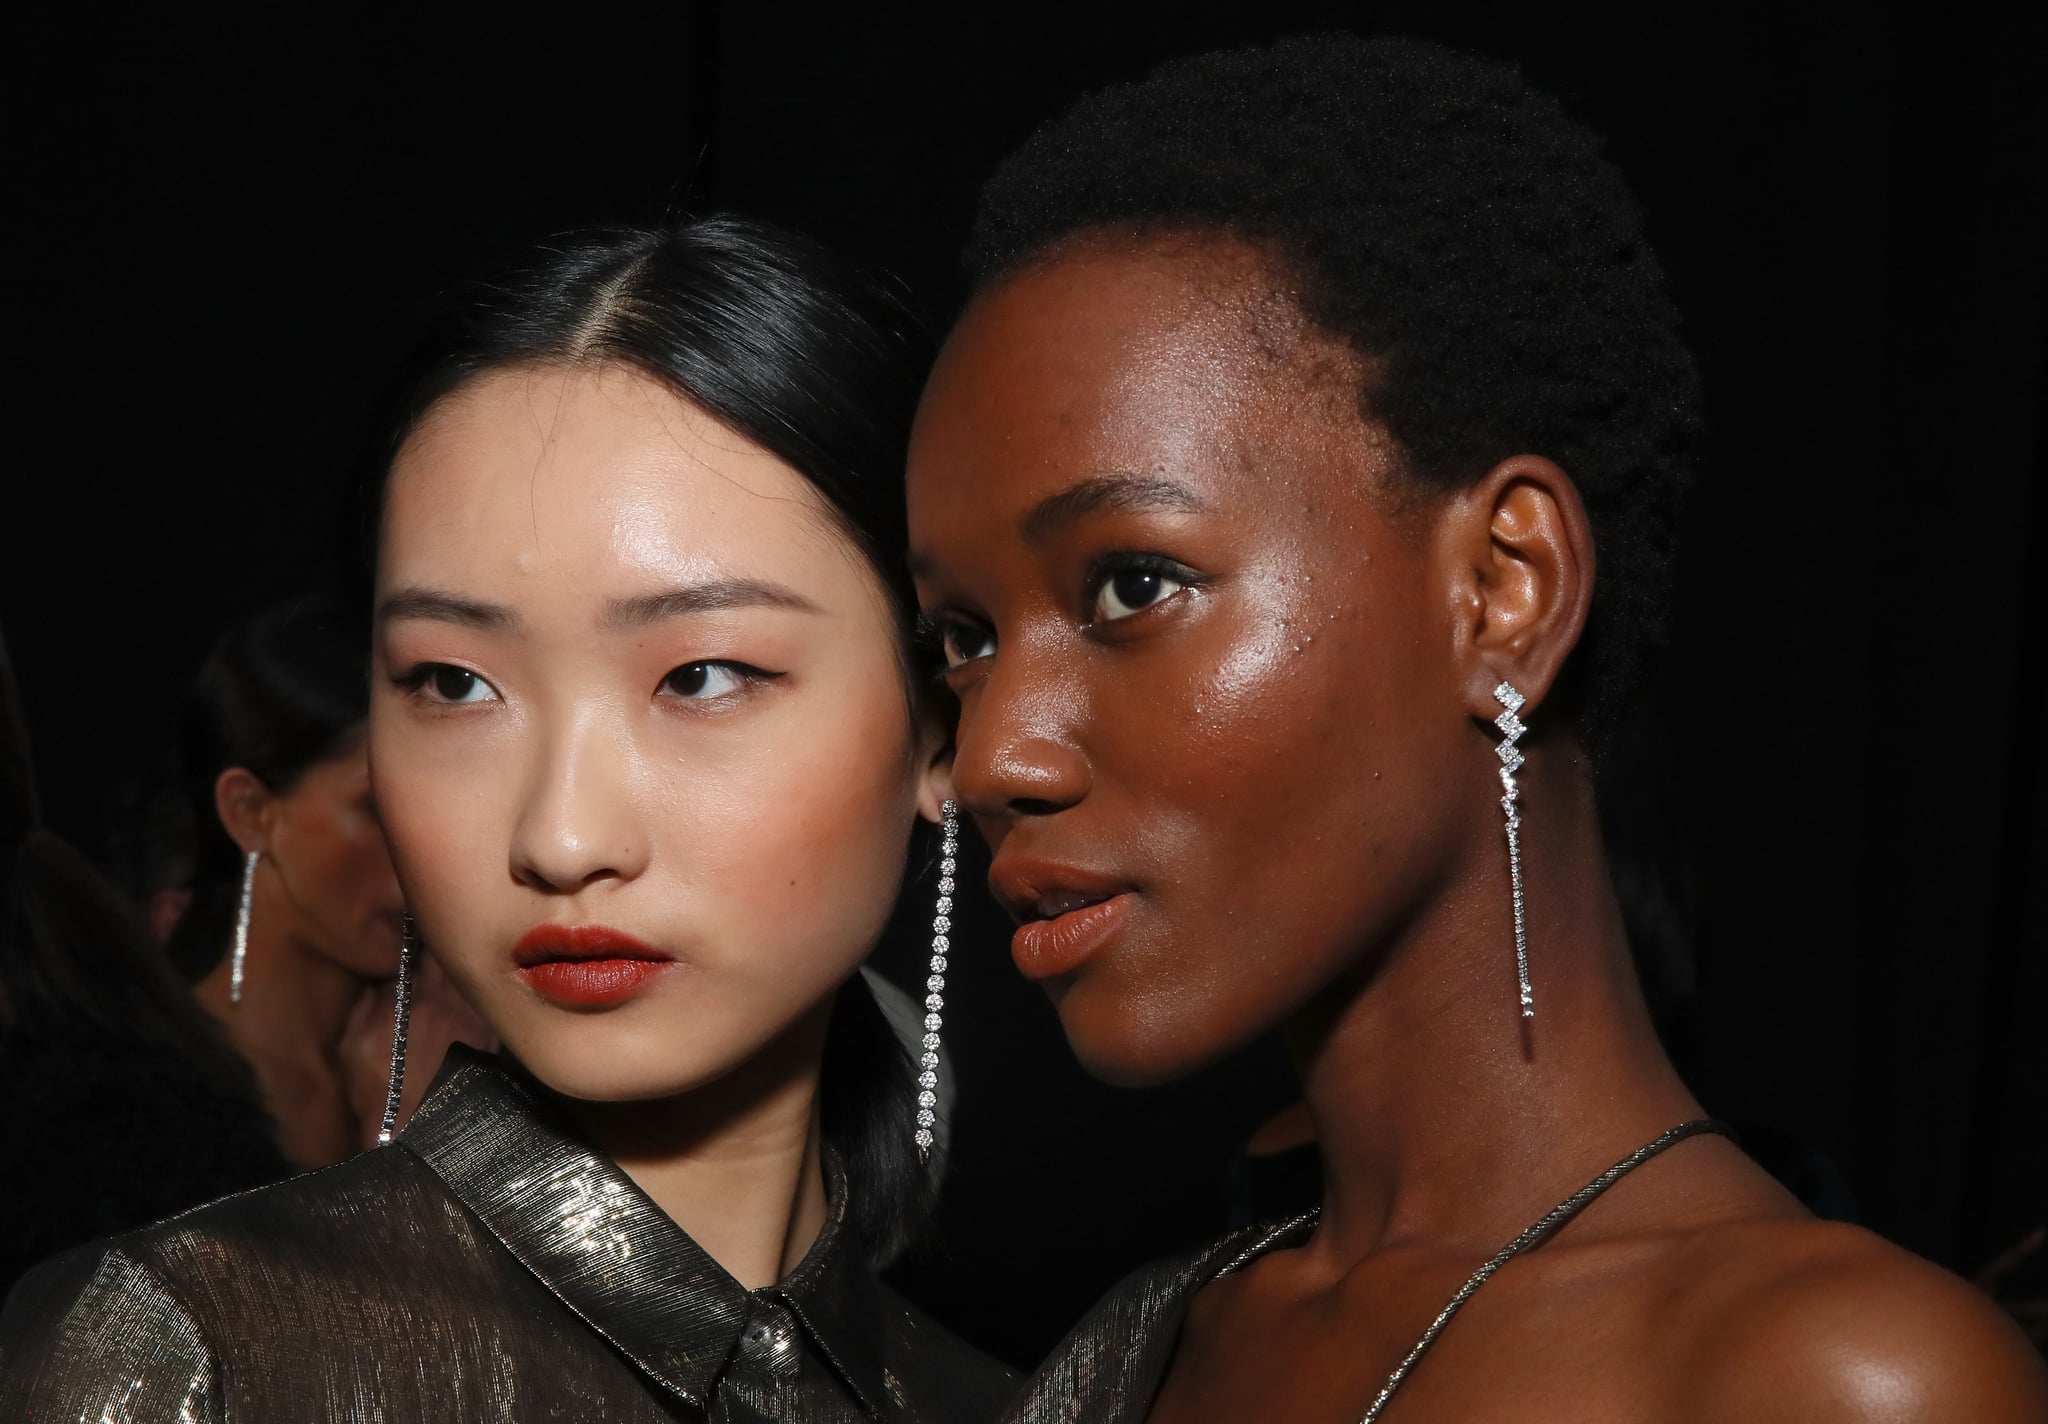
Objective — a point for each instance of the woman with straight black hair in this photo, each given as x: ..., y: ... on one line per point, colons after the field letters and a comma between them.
x: 649, y: 753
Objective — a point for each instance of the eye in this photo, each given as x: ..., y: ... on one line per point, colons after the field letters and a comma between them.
x: 444, y: 682
x: 962, y: 642
x: 1133, y: 589
x: 699, y: 682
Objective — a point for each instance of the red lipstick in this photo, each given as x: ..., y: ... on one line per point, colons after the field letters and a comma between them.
x: 586, y: 966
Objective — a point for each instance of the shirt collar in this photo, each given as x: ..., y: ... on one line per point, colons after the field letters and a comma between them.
x: 593, y: 1238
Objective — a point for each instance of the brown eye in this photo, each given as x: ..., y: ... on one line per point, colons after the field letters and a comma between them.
x: 444, y: 682
x: 964, y: 642
x: 1133, y: 591
x: 701, y: 681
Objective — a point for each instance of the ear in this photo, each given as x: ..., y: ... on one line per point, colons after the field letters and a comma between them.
x: 244, y: 804
x: 935, y: 769
x: 1522, y: 548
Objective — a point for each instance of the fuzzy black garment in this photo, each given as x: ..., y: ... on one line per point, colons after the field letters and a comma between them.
x: 101, y: 1136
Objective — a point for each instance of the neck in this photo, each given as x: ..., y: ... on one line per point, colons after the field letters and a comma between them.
x: 736, y: 1163
x: 295, y: 1000
x: 1446, y: 1118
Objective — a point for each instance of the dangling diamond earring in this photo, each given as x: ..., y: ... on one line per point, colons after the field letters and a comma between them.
x: 935, y: 986
x: 1510, y: 761
x: 239, y: 961
x: 401, y: 1019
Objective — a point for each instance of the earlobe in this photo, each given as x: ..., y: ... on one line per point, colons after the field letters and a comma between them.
x: 1530, y: 547
x: 935, y: 788
x: 243, y: 802
x: 935, y: 775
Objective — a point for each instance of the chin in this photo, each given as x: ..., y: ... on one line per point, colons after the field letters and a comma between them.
x: 598, y: 1082
x: 1129, y: 1044
x: 594, y: 1061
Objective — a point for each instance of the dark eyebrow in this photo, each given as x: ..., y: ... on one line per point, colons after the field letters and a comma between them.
x: 438, y: 607
x: 1121, y: 494
x: 713, y: 596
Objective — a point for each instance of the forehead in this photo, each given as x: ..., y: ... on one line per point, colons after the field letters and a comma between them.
x: 594, y: 476
x: 1181, y: 356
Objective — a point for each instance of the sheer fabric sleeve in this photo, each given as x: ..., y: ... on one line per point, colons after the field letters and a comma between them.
x: 97, y: 1335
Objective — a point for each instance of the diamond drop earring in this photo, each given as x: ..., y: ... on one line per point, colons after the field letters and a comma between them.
x: 401, y: 1019
x: 1510, y: 761
x: 239, y: 961
x: 935, y: 986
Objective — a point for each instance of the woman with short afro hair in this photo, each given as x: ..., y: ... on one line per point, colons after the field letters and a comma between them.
x: 1295, y: 504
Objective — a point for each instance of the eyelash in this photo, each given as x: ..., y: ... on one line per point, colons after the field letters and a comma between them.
x: 413, y: 681
x: 1109, y: 566
x: 931, y: 629
x: 750, y: 677
x: 928, y: 632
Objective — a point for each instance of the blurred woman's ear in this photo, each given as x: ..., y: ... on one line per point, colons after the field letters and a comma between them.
x: 935, y: 771
x: 243, y: 803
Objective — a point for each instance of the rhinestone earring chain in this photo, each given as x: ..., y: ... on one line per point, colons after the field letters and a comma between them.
x: 935, y: 986
x: 401, y: 1023
x: 239, y: 956
x: 1510, y: 761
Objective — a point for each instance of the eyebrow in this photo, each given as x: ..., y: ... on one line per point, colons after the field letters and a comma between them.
x: 1119, y: 494
x: 711, y: 596
x: 435, y: 606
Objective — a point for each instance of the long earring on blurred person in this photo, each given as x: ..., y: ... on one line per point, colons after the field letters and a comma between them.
x: 241, y: 952
x: 401, y: 1017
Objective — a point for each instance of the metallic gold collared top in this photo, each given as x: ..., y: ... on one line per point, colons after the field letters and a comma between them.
x: 486, y: 1266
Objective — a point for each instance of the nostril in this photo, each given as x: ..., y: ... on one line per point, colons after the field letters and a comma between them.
x: 1031, y: 806
x: 1013, y: 775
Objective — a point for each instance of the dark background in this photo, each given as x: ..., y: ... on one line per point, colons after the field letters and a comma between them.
x: 223, y: 237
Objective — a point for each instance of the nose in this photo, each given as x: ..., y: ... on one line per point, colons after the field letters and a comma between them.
x: 579, y: 822
x: 1016, y: 755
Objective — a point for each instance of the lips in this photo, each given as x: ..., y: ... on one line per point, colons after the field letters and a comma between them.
x: 1066, y: 915
x: 587, y: 966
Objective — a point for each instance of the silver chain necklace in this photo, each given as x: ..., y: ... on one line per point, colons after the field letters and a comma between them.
x: 1557, y: 1216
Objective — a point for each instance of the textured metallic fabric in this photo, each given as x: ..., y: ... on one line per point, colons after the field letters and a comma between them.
x: 1109, y: 1368
x: 485, y: 1266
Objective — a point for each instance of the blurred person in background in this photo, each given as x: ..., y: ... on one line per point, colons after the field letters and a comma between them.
x: 102, y: 1050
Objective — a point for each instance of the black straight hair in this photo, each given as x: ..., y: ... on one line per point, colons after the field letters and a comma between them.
x: 281, y: 692
x: 817, y: 362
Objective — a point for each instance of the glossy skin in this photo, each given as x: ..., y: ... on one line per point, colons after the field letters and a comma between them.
x: 1301, y: 703
x: 629, y: 674
x: 1215, y: 658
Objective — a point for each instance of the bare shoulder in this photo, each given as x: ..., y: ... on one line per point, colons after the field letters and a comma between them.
x: 1814, y: 1321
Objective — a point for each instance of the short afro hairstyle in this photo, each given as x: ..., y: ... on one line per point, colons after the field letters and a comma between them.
x: 1452, y: 226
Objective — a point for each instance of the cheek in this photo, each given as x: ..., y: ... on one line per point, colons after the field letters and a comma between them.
x: 323, y: 853
x: 440, y: 825
x: 804, y: 848
x: 1290, y: 796
x: 363, y: 862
